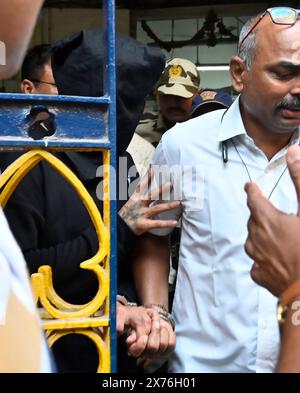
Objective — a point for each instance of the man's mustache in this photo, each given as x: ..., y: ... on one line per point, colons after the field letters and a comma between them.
x: 293, y: 104
x: 175, y: 108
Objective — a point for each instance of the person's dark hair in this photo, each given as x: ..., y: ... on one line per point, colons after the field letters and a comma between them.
x: 36, y: 58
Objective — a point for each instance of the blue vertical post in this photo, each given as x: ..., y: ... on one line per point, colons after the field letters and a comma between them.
x: 110, y: 90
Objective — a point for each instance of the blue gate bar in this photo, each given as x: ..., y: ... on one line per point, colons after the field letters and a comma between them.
x: 77, y: 124
x: 110, y: 89
x: 81, y: 123
x: 36, y: 98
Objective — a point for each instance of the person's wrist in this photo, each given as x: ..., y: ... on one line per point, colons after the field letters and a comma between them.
x: 159, y: 307
x: 291, y: 316
x: 163, y: 313
x: 122, y: 300
x: 286, y: 303
x: 290, y: 293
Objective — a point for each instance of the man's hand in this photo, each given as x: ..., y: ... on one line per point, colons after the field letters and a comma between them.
x: 137, y: 212
x: 161, y: 343
x: 138, y: 322
x: 274, y: 237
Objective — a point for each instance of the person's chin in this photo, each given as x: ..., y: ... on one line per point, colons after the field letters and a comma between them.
x: 176, y: 118
x: 286, y: 125
x: 286, y: 120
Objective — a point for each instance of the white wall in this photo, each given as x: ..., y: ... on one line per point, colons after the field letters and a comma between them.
x: 186, y: 22
x: 185, y: 29
x: 55, y: 23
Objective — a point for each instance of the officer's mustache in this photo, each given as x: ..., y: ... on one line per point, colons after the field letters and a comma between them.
x: 293, y: 104
x: 176, y: 108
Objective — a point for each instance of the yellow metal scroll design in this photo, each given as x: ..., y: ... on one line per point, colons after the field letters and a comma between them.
x: 101, y: 345
x: 57, y: 314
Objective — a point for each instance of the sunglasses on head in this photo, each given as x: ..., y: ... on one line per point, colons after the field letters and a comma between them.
x: 279, y: 15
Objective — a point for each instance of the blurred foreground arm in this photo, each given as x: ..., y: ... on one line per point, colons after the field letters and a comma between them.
x: 274, y: 237
x: 17, y: 19
x: 289, y: 357
x: 274, y: 244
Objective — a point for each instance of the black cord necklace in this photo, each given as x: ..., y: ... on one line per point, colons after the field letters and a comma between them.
x: 247, y: 170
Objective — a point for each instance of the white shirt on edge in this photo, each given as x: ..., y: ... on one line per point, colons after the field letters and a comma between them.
x: 224, y: 321
x: 14, y: 279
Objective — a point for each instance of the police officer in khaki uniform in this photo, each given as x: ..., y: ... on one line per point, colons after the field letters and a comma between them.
x: 175, y: 90
x: 179, y: 98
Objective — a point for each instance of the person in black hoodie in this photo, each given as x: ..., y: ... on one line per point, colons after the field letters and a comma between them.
x: 46, y: 215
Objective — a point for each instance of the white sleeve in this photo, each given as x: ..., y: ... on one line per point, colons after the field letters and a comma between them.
x: 14, y: 280
x: 165, y: 172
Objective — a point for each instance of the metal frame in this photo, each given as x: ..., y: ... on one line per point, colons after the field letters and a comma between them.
x: 96, y: 131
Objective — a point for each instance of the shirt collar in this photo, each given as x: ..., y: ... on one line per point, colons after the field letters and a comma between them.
x: 295, y: 140
x: 231, y: 123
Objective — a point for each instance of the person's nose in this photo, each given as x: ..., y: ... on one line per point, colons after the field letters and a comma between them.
x: 295, y: 90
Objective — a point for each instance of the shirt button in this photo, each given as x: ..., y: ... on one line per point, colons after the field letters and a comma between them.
x: 264, y: 324
x: 269, y: 170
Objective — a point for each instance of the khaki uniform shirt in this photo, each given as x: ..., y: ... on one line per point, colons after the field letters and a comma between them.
x: 151, y: 126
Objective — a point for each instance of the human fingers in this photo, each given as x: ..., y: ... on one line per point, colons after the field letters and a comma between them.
x: 293, y: 162
x: 258, y: 204
x: 162, y: 207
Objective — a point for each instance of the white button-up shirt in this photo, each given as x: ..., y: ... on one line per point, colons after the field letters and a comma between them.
x: 224, y: 321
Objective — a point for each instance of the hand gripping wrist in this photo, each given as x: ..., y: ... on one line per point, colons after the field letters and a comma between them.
x: 163, y: 313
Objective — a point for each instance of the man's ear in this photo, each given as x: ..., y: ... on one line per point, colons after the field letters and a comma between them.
x: 27, y: 87
x: 237, y: 71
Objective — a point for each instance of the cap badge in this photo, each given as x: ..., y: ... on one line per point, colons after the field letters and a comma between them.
x: 175, y: 71
x: 208, y: 95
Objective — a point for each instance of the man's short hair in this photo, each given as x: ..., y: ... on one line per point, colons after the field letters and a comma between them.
x: 247, y: 50
x: 35, y: 60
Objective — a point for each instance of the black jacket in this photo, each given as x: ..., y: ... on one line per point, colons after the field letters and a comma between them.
x: 53, y: 228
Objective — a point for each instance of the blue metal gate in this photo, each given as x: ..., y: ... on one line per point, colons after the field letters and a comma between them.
x: 82, y: 124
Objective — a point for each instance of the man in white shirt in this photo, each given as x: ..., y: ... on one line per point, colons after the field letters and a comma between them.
x: 224, y: 321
